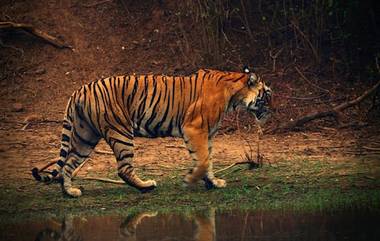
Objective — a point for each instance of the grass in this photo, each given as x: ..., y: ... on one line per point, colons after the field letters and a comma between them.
x: 288, y: 185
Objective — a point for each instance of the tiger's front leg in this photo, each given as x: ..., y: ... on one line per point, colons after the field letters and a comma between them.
x: 210, y: 180
x: 197, y: 144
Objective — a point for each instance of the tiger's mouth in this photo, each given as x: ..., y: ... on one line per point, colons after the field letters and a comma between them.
x: 260, y: 110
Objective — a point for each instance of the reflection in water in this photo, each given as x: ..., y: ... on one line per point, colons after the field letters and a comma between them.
x: 204, y: 231
x: 128, y: 227
x: 202, y: 226
x: 67, y: 232
x: 205, y: 224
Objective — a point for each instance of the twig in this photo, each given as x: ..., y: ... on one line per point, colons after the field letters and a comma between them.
x: 25, y: 126
x: 75, y: 172
x: 307, y: 80
x: 96, y: 3
x: 48, y: 165
x: 36, y: 32
x: 228, y: 173
x: 274, y: 57
x: 100, y: 179
x: 232, y: 165
x: 246, y: 23
x: 300, y: 98
x: 104, y: 152
x: 371, y: 148
x: 307, y: 40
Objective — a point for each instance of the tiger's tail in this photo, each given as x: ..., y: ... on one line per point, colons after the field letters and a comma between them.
x: 54, y: 173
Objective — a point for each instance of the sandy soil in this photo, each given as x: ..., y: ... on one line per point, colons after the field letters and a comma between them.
x: 21, y: 150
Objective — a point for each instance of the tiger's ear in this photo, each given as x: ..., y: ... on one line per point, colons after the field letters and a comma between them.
x: 246, y: 69
x: 252, y: 80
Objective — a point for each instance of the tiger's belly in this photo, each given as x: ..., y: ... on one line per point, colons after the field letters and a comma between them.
x: 157, y: 131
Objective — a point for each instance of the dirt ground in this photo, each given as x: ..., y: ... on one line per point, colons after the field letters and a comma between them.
x: 38, y: 144
x: 108, y: 39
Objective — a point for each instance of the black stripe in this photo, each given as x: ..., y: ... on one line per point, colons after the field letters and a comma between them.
x: 65, y: 138
x: 54, y: 173
x: 191, y: 88
x: 70, y: 166
x: 123, y: 88
x: 67, y: 127
x: 135, y: 86
x: 97, y: 103
x: 153, y: 117
x: 120, y: 141
x: 166, y: 86
x: 154, y: 91
x: 173, y: 92
x: 170, y: 127
x: 220, y: 78
x: 141, y: 110
x: 125, y: 164
x: 127, y: 155
x: 63, y: 153
x: 84, y: 141
x: 60, y: 163
x: 90, y: 122
x: 236, y: 80
x: 77, y: 154
x: 195, y: 86
x: 160, y: 123
x: 125, y: 133
x: 81, y: 118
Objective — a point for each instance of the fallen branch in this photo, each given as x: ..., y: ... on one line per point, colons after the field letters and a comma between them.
x: 232, y: 165
x: 35, y: 32
x: 371, y: 148
x: 334, y: 112
x: 107, y: 180
x: 104, y: 152
x: 96, y: 4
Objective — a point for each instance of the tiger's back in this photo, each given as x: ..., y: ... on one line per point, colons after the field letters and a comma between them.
x: 156, y: 105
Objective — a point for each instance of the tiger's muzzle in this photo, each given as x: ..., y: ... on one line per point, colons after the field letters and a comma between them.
x: 261, y: 107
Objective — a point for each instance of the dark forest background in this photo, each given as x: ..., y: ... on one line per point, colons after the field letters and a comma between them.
x: 315, y: 53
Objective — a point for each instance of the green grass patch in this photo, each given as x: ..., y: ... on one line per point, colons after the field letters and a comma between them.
x: 288, y: 185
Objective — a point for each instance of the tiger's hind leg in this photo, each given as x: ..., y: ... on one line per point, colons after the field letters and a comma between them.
x: 83, y: 141
x: 122, y: 146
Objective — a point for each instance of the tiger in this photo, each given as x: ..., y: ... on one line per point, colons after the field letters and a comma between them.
x: 120, y: 108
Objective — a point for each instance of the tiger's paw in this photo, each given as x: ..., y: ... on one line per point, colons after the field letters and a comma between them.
x: 214, y: 183
x: 73, y: 192
x: 189, y: 180
x: 148, y: 186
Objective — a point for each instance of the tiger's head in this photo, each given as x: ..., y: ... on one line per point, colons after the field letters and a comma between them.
x: 256, y: 96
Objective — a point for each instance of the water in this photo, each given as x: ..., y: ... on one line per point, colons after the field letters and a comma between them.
x: 202, y: 226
